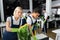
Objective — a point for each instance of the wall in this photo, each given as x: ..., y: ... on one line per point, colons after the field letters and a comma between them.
x: 0, y: 10
x: 0, y: 5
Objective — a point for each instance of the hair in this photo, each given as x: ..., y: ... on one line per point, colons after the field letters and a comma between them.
x: 18, y: 7
x: 36, y: 10
x: 44, y: 8
x: 29, y: 12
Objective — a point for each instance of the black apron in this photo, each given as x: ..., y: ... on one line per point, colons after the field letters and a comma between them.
x: 11, y: 35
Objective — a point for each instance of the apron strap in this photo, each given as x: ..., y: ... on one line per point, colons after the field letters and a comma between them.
x: 31, y: 20
x: 20, y: 22
x: 12, y: 21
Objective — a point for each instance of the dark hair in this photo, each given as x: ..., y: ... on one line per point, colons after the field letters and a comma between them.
x: 36, y: 10
x: 29, y: 12
x: 44, y: 8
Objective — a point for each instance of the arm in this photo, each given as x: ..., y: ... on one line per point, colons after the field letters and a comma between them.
x: 29, y: 24
x: 8, y: 28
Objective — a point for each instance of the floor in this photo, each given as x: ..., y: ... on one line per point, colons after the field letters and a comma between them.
x: 51, y: 34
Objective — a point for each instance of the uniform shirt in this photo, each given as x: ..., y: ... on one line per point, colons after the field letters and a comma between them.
x: 14, y: 21
x: 24, y: 14
x: 29, y: 20
x: 45, y: 15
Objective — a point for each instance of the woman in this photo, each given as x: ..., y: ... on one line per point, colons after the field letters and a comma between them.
x: 13, y: 22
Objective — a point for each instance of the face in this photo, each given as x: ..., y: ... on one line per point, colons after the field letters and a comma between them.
x: 44, y: 11
x: 36, y: 15
x: 18, y: 13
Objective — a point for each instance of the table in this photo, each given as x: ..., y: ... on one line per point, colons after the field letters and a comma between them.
x: 2, y: 25
x: 57, y: 31
x: 42, y: 36
x: 52, y: 19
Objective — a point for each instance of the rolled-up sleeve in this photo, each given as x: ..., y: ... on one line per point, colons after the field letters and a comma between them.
x: 8, y: 19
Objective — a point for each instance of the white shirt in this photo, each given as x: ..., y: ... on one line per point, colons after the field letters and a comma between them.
x: 29, y: 20
x: 45, y: 15
x: 14, y: 21
x: 24, y: 14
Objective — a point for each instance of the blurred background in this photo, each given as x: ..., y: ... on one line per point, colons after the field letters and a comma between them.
x: 52, y: 8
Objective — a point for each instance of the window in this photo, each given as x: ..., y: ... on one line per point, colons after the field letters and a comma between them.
x: 0, y: 11
x: 24, y: 4
x: 58, y: 12
x: 0, y: 14
x: 9, y: 6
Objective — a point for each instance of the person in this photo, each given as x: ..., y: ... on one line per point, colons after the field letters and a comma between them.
x: 25, y: 15
x: 29, y: 12
x: 31, y: 20
x: 14, y: 21
x: 45, y: 14
x: 45, y: 21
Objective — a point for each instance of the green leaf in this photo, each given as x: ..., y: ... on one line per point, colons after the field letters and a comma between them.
x: 14, y: 29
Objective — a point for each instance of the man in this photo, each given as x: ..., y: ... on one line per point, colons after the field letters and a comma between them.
x: 45, y: 21
x: 31, y: 20
x: 25, y: 15
x: 45, y: 14
x: 29, y: 12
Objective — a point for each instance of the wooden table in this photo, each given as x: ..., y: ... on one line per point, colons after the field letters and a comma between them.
x: 57, y: 31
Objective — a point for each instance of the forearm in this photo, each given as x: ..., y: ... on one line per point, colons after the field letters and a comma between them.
x: 12, y: 29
